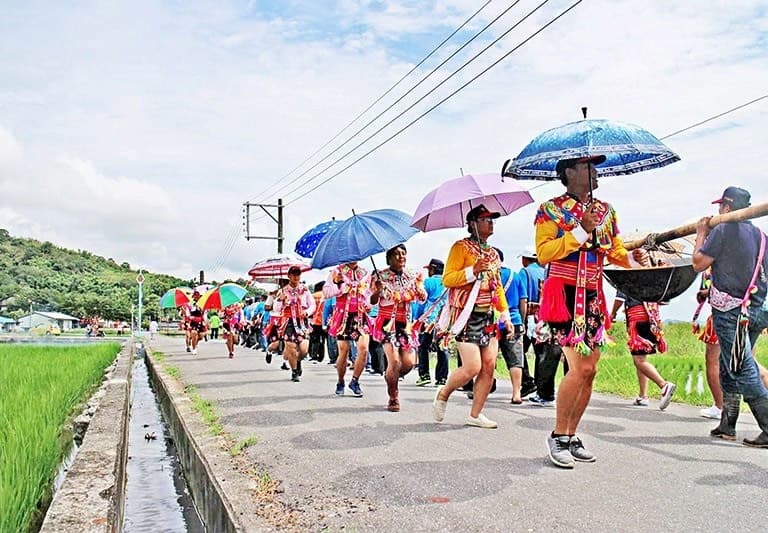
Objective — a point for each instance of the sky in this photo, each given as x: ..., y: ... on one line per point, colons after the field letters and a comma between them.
x: 137, y: 130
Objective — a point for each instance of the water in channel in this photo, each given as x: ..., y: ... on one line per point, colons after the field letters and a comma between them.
x: 156, y: 495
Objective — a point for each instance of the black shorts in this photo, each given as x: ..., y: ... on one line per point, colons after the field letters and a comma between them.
x: 512, y: 351
x: 479, y: 329
x: 593, y: 315
x: 353, y: 330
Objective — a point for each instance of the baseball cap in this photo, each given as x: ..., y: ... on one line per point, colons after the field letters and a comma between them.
x: 529, y: 253
x: 481, y: 212
x: 736, y: 197
x: 436, y: 264
x: 568, y: 163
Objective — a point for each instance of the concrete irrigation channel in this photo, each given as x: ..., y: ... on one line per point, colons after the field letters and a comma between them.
x: 109, y: 485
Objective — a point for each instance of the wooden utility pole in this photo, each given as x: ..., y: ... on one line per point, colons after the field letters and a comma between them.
x: 278, y: 218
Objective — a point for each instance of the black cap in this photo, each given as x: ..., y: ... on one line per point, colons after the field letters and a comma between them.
x: 568, y: 163
x: 436, y: 264
x: 481, y: 212
x: 736, y: 197
x: 294, y: 270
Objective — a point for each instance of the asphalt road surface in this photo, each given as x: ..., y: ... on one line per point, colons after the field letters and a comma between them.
x: 345, y: 463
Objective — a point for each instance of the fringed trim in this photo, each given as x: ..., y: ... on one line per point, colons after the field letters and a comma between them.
x: 553, y: 307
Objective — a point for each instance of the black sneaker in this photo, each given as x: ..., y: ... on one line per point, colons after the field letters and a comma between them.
x: 284, y: 366
x: 298, y: 367
x: 189, y: 349
x: 295, y: 375
x: 527, y: 388
x: 269, y: 357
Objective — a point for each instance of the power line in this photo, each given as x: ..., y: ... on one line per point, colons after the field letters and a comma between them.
x: 742, y: 106
x: 364, y: 111
x: 484, y: 50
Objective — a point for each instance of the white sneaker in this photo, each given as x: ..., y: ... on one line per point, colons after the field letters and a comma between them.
x: 194, y: 351
x: 711, y: 412
x: 666, y: 394
x: 641, y: 401
x: 438, y: 406
x: 481, y: 421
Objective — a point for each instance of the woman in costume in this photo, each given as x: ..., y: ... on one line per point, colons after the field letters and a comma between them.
x: 231, y: 327
x: 472, y: 273
x: 297, y: 304
x: 349, y: 320
x: 394, y: 289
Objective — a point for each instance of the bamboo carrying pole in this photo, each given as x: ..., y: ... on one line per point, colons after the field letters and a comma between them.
x: 755, y: 211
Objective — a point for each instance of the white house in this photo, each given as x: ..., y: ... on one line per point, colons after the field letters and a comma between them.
x: 6, y: 324
x: 45, y: 318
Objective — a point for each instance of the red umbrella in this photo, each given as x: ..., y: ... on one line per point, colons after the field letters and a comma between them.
x: 273, y: 268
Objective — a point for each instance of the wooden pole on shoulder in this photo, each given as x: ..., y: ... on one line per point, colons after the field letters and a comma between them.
x: 754, y: 211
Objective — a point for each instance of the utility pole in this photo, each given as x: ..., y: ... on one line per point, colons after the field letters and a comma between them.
x: 278, y: 220
x: 140, y: 281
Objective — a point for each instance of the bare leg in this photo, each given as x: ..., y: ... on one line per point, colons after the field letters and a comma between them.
x: 341, y: 360
x: 470, y: 367
x: 407, y: 361
x: 289, y: 354
x: 516, y: 378
x: 484, y: 380
x: 712, y: 359
x: 648, y: 371
x: 362, y: 357
x: 575, y: 390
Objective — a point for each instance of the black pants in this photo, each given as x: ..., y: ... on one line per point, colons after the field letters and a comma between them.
x: 214, y: 333
x: 527, y: 378
x: 317, y: 343
x: 425, y: 345
x: 377, y: 355
x: 547, y: 358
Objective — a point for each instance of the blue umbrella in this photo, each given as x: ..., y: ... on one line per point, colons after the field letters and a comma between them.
x: 626, y: 147
x: 363, y: 235
x: 307, y: 243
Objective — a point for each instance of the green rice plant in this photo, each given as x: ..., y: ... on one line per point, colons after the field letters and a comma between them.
x: 42, y: 387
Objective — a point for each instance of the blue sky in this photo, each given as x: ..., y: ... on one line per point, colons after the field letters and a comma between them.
x: 137, y: 130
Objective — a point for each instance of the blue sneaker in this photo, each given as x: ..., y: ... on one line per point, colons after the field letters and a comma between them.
x: 340, y: 388
x: 354, y: 386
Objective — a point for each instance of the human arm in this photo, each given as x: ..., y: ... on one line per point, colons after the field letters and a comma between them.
x: 551, y: 245
x: 461, y: 268
x: 701, y: 259
x: 617, y: 303
x: 332, y: 284
x: 308, y: 303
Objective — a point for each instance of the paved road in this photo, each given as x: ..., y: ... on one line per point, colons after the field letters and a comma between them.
x: 346, y: 463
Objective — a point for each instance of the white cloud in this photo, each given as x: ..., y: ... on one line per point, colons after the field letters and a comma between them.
x: 143, y: 147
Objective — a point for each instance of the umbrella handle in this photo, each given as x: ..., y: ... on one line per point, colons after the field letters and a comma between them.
x: 374, y: 266
x: 504, y: 168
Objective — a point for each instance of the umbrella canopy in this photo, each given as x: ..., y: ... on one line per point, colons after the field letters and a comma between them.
x: 222, y: 296
x: 363, y: 235
x: 175, y: 297
x: 627, y: 148
x: 447, y: 206
x: 307, y: 243
x: 273, y: 268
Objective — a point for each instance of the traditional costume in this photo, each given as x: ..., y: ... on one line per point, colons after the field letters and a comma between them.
x: 394, y: 320
x: 645, y: 334
x: 350, y: 286
x: 297, y: 304
x: 572, y: 300
x: 468, y: 315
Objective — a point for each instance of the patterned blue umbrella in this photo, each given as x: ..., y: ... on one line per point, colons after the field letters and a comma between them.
x: 307, y: 243
x: 363, y: 235
x: 626, y: 147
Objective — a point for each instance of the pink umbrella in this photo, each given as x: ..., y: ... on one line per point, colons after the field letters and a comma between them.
x: 448, y: 205
x: 273, y: 268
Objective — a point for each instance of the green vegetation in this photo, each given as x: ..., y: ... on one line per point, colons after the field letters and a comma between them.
x: 42, y: 388
x: 683, y: 364
x: 206, y: 409
x: 74, y: 282
x: 242, y: 444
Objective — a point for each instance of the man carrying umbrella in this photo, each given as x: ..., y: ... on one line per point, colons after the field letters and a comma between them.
x: 575, y: 234
x: 296, y: 304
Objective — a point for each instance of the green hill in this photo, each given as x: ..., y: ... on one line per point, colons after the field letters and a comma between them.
x: 78, y: 283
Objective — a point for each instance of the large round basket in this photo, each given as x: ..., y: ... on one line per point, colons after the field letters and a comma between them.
x: 653, y: 284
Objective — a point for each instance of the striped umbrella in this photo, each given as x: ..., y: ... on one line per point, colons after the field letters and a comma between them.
x: 175, y: 297
x: 222, y: 296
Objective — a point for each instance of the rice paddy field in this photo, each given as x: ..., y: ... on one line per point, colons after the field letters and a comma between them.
x: 42, y: 387
x: 682, y: 364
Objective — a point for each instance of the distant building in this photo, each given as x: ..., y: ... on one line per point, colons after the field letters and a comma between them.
x: 46, y: 318
x: 6, y: 324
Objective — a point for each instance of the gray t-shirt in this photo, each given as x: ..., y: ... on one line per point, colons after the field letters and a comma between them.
x: 734, y: 246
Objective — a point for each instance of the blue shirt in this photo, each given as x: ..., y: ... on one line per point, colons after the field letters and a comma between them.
x: 433, y: 286
x: 328, y: 306
x: 734, y: 246
x: 533, y: 276
x: 514, y: 290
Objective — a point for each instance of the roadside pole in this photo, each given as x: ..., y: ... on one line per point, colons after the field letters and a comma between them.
x: 140, y: 281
